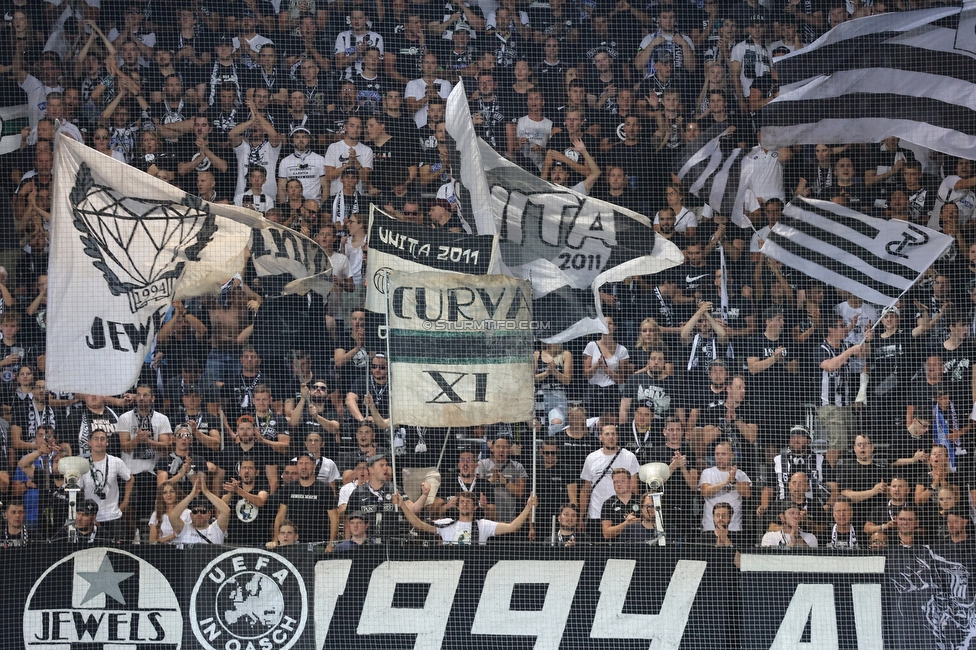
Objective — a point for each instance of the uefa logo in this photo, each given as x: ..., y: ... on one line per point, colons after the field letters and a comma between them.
x: 136, y: 243
x: 249, y: 598
x: 102, y: 598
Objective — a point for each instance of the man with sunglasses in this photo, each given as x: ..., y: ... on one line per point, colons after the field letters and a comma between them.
x: 315, y: 414
x: 552, y: 486
x: 376, y: 386
x: 203, y: 528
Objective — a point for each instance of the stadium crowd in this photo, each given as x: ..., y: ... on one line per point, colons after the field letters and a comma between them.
x: 789, y: 412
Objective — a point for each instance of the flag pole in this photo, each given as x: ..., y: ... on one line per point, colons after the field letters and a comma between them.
x: 388, y: 377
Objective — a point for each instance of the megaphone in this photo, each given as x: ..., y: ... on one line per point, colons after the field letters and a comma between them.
x: 655, y: 475
x: 72, y: 468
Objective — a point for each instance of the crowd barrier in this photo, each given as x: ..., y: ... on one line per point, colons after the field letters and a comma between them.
x: 506, y: 596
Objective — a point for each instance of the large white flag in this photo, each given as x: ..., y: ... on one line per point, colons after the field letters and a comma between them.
x: 460, y: 349
x: 875, y: 259
x: 567, y: 244
x: 124, y: 245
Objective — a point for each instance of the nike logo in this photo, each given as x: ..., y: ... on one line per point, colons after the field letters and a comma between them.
x: 691, y: 279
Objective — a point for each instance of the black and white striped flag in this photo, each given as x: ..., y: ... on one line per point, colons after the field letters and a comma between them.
x: 908, y: 74
x: 710, y: 167
x: 875, y: 259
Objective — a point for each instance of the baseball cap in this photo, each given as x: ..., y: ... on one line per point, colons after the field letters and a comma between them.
x: 225, y: 39
x: 758, y: 18
x: 372, y: 460
x: 300, y: 129
x: 799, y: 430
x: 88, y: 507
x: 355, y: 514
x: 717, y: 362
x: 663, y: 55
x: 350, y: 171
x: 890, y: 310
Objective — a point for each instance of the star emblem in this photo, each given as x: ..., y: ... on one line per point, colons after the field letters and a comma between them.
x: 104, y: 581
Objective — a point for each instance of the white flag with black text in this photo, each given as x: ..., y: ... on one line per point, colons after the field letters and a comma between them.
x: 567, y: 244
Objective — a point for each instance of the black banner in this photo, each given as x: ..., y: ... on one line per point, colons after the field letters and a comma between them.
x: 437, y: 248
x: 499, y: 596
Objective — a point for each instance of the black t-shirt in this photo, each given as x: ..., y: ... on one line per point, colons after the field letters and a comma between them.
x: 28, y: 416
x: 853, y: 476
x: 230, y: 458
x: 775, y: 380
x: 496, y: 115
x: 309, y: 506
x: 551, y: 488
x: 957, y: 371
x: 396, y: 153
x: 921, y: 200
x: 680, y: 502
x: 238, y: 395
x: 573, y: 452
x: 380, y: 393
x: 250, y: 525
x: 615, y: 510
x: 409, y: 54
x: 662, y: 396
x: 369, y: 92
x: 893, y: 360
x: 454, y: 486
x: 205, y: 423
x: 79, y: 425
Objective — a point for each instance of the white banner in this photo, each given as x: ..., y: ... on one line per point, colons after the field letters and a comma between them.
x: 124, y: 245
x: 460, y: 349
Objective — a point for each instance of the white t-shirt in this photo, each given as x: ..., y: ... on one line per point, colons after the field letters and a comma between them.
x: 598, y: 463
x: 715, y: 476
x: 308, y: 169
x: 866, y: 312
x: 355, y: 257
x: 459, y: 532
x: 190, y: 535
x: 417, y: 88
x: 763, y: 64
x: 255, y: 44
x: 779, y: 538
x: 965, y: 201
x: 337, y: 155
x: 265, y: 156
x: 682, y: 221
x: 165, y: 526
x: 104, y: 477
x: 36, y: 101
x: 142, y: 458
x: 346, y: 491
x: 762, y: 177
x: 538, y: 133
x: 600, y: 377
